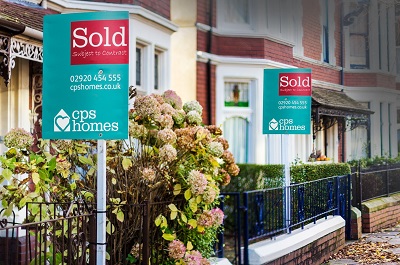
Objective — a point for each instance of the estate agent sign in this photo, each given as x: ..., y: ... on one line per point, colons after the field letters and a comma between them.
x: 85, y: 76
x: 287, y: 101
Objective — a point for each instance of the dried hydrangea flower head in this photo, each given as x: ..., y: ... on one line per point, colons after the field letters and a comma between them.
x: 18, y: 138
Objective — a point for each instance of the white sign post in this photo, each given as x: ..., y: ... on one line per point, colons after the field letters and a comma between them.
x: 101, y: 202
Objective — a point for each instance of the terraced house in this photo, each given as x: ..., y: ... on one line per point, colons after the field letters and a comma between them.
x: 215, y: 51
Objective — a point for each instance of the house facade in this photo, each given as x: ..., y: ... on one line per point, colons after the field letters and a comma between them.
x: 348, y: 45
x: 215, y: 51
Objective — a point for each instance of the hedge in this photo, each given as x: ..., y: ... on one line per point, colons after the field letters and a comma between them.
x: 308, y: 172
x: 256, y: 177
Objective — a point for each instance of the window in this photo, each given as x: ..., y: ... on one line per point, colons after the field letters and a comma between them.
x: 325, y: 30
x: 236, y: 94
x: 236, y: 131
x: 156, y: 71
x: 139, y: 64
x: 159, y: 69
x: 397, y: 7
x: 234, y: 14
x: 237, y: 12
x: 359, y: 46
x: 237, y: 116
x: 398, y: 116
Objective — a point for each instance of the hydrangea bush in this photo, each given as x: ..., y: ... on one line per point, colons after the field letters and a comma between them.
x: 170, y: 156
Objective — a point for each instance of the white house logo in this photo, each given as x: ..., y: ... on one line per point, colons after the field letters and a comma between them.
x: 62, y: 122
x: 273, y: 125
x: 285, y: 125
x: 82, y: 121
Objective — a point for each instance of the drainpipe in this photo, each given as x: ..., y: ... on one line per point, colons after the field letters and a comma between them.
x: 209, y: 65
x: 342, y: 73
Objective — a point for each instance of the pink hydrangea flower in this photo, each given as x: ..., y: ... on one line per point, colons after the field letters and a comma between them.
x: 176, y: 249
x: 197, y: 181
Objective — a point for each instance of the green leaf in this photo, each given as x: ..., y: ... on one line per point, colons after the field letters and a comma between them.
x: 158, y: 220
x: 76, y: 176
x: 113, y: 181
x: 88, y: 195
x: 73, y: 186
x: 199, y: 198
x: 44, y: 175
x: 193, y: 205
x: 120, y: 216
x: 34, y: 208
x: 177, y: 189
x: 91, y: 171
x: 7, y: 174
x: 110, y: 228
x: 126, y: 163
x: 52, y: 164
x: 189, y: 246
x: 32, y: 195
x: 172, y: 207
x: 173, y: 215
x: 168, y: 237
x: 35, y: 177
x: 184, y: 218
x: 188, y: 194
x: 23, y: 201
x: 9, y: 210
x: 86, y: 160
x: 192, y: 223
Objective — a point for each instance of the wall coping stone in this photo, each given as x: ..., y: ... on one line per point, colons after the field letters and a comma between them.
x: 219, y: 261
x: 380, y: 203
x: 355, y: 213
x: 269, y: 250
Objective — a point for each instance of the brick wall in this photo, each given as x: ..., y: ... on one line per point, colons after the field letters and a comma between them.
x: 203, y: 11
x: 382, y: 218
x: 316, y: 252
x: 202, y: 87
x: 160, y: 7
x: 369, y: 80
x: 19, y: 250
x: 312, y: 29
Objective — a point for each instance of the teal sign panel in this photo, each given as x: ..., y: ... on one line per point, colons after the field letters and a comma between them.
x: 287, y: 101
x: 85, y: 76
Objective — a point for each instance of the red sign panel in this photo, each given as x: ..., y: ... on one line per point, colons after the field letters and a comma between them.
x: 295, y: 84
x: 100, y: 42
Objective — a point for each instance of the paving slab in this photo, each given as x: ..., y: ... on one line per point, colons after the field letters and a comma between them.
x: 395, y: 250
x: 375, y: 239
x: 394, y: 241
x: 342, y: 262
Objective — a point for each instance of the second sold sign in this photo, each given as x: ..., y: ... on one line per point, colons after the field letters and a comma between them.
x: 85, y: 75
x: 287, y: 101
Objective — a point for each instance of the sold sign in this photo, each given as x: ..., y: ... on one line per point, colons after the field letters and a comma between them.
x: 287, y: 101
x: 99, y: 42
x: 92, y: 49
x: 295, y: 84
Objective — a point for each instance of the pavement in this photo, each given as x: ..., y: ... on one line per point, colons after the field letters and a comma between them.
x: 381, y: 247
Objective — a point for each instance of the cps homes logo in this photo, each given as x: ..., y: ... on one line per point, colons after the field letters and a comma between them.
x: 100, y: 42
x: 285, y: 125
x: 81, y: 121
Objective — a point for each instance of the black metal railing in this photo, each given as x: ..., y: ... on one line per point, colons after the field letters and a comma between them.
x: 374, y: 182
x: 263, y: 214
x: 58, y: 234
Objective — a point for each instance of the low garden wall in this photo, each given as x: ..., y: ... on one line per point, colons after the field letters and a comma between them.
x: 380, y: 213
x: 312, y: 245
